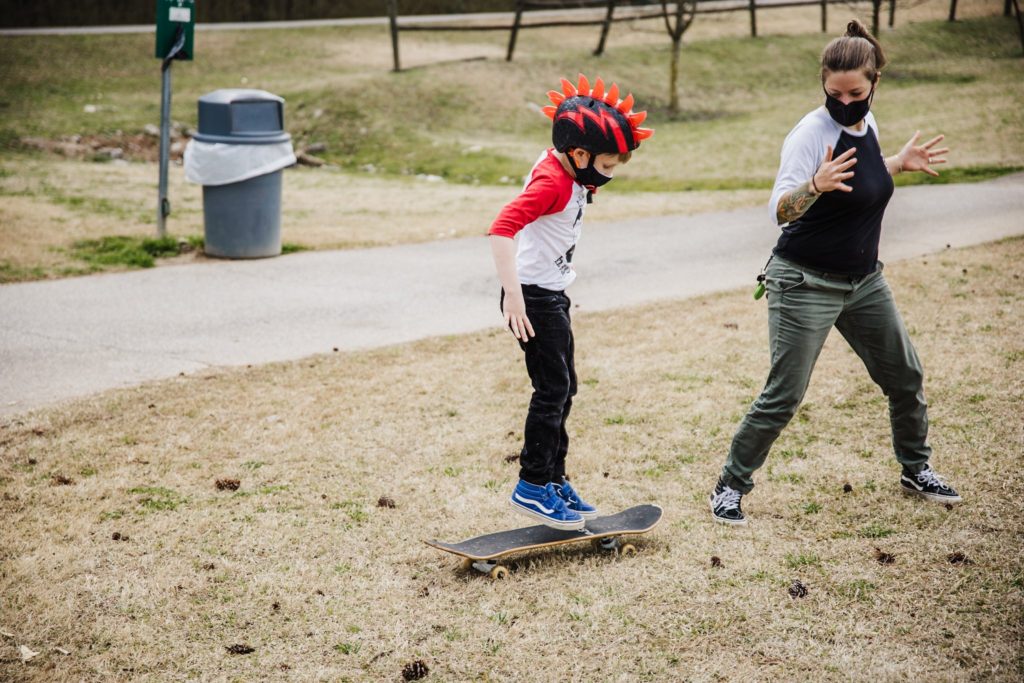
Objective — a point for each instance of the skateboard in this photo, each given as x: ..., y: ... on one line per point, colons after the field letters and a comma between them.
x: 483, y: 552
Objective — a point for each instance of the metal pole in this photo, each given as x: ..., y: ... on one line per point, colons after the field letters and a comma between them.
x: 952, y: 10
x: 892, y: 13
x: 753, y: 18
x: 824, y: 16
x: 163, y: 208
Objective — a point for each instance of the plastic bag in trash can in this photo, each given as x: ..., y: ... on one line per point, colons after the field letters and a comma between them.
x: 216, y: 163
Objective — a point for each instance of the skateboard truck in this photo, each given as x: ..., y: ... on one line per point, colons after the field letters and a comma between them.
x: 489, y: 567
x: 615, y: 545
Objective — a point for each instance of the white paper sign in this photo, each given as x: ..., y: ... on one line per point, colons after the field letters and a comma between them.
x: 181, y: 14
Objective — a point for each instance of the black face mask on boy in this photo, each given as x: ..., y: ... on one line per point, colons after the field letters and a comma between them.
x: 851, y: 113
x: 588, y: 176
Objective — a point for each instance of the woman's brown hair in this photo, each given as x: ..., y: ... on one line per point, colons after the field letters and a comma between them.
x: 856, y: 50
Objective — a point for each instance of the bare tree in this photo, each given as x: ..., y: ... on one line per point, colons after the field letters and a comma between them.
x: 876, y: 16
x: 676, y: 22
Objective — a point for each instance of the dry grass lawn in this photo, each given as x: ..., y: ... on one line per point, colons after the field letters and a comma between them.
x: 302, y: 565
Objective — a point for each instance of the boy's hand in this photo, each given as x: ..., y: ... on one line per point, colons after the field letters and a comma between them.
x: 516, y: 319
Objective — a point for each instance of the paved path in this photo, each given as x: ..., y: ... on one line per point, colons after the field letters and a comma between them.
x: 67, y: 338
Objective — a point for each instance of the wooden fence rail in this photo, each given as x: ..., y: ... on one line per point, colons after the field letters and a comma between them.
x: 524, y: 7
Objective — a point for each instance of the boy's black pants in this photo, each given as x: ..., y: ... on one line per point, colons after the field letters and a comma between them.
x: 549, y: 361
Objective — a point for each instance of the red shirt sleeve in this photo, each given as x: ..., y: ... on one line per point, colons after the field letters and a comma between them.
x: 547, y: 193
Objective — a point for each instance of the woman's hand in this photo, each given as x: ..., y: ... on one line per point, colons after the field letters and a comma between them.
x: 832, y: 172
x: 914, y: 157
x: 514, y: 309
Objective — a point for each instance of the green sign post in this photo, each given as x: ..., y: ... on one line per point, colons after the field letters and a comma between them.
x: 175, y: 24
x: 172, y: 16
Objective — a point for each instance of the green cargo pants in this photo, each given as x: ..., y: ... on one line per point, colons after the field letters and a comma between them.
x: 803, y: 306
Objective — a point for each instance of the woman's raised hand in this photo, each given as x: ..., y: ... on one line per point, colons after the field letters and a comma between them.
x: 914, y: 157
x: 832, y: 172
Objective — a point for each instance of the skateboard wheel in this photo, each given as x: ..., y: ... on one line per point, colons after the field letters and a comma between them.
x: 498, y: 572
x: 628, y: 550
x: 466, y: 564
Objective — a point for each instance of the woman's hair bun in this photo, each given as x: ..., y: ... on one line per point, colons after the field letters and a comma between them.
x: 855, y: 29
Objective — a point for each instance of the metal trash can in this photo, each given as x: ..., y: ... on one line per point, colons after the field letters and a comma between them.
x: 238, y: 155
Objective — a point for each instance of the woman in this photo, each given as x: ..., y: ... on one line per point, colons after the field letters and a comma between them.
x: 829, y: 197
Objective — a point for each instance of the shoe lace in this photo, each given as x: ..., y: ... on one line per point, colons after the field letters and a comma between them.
x: 728, y: 499
x: 930, y: 476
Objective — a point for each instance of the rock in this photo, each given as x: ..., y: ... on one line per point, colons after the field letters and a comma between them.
x: 151, y: 130
x: 112, y: 152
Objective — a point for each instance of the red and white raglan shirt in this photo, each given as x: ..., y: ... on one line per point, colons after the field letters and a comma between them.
x: 548, y: 218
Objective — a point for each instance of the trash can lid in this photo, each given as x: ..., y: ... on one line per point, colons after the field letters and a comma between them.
x: 241, y: 116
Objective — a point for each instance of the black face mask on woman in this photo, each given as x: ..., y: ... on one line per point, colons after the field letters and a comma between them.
x: 589, y: 176
x: 848, y: 114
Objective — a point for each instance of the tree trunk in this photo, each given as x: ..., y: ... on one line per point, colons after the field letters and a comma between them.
x: 673, y: 84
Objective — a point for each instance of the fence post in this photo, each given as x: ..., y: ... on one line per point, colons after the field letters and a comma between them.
x: 604, y: 28
x: 892, y: 13
x: 393, y: 20
x: 753, y: 18
x: 1020, y: 22
x: 824, y: 16
x: 515, y: 31
x: 952, y: 10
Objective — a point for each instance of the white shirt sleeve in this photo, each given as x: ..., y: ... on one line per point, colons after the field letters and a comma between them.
x: 802, y: 153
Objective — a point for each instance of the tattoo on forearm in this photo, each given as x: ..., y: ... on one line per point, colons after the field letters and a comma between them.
x: 795, y: 204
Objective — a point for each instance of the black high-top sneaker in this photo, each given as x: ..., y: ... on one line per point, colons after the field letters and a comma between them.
x: 725, y: 505
x: 928, y: 484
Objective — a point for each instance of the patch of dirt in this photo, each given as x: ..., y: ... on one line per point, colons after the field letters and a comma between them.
x: 143, y: 146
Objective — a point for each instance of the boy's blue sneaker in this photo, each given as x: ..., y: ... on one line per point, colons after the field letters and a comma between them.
x: 543, y: 503
x: 573, y: 501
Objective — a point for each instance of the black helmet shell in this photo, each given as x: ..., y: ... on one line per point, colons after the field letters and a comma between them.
x: 592, y: 125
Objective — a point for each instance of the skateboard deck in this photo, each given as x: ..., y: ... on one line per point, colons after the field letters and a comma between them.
x: 482, y: 552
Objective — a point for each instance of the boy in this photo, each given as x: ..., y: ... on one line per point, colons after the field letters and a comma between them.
x: 593, y: 132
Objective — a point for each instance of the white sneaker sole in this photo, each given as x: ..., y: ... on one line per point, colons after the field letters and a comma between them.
x: 554, y: 524
x: 730, y: 522
x: 931, y: 496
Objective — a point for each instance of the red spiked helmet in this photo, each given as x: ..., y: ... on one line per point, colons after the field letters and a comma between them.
x: 594, y: 120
